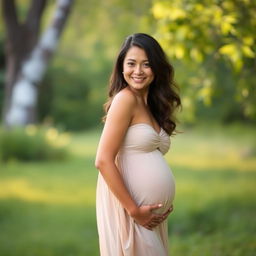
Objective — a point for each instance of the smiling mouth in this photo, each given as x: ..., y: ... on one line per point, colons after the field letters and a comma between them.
x: 138, y: 79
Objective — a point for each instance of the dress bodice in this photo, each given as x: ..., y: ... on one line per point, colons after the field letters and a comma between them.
x: 143, y: 138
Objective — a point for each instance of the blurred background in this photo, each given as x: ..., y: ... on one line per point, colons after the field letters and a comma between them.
x: 55, y: 61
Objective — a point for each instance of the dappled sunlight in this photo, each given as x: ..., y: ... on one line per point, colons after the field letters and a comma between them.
x: 22, y: 189
x: 57, y: 139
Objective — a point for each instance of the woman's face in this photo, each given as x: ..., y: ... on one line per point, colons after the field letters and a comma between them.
x: 136, y: 69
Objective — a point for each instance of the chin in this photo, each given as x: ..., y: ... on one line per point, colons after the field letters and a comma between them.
x: 139, y: 86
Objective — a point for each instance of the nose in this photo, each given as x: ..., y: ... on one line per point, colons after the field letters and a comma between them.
x: 138, y: 70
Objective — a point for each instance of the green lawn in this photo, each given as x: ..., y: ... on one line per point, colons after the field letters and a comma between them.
x: 49, y: 208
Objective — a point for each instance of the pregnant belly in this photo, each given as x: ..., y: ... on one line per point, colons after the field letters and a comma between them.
x: 148, y: 179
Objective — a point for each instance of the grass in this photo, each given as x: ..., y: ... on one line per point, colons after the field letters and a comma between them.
x: 49, y: 208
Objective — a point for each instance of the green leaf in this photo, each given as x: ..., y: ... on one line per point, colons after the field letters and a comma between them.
x: 248, y: 51
x: 228, y: 49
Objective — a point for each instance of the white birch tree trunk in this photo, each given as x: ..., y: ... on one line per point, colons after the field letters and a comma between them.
x: 25, y: 90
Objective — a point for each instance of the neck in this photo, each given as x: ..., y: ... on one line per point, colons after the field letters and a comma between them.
x: 141, y: 94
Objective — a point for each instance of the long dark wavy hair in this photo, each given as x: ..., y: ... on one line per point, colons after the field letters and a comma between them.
x: 163, y: 98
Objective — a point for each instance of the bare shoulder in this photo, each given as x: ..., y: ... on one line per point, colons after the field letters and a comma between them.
x: 125, y: 96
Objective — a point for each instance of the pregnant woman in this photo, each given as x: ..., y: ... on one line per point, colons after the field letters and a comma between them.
x: 136, y: 187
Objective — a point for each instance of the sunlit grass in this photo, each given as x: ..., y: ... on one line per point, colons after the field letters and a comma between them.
x: 26, y: 191
x: 50, y: 207
x: 215, y: 148
x: 216, y: 160
x: 85, y: 144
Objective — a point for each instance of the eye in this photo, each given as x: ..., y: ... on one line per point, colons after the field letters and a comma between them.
x: 147, y: 65
x: 130, y: 64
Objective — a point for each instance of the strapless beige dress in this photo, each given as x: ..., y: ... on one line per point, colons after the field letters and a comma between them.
x: 149, y: 180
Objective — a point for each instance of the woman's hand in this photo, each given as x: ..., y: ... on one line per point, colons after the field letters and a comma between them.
x: 145, y: 217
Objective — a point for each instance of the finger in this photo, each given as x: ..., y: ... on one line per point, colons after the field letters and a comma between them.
x: 155, y: 222
x: 171, y: 208
x: 168, y: 211
x: 156, y: 216
x: 159, y: 218
x: 164, y: 217
x: 155, y: 206
x: 166, y: 214
x: 155, y: 225
x: 148, y: 227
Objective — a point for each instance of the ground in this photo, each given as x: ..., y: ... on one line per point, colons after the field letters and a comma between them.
x: 48, y: 209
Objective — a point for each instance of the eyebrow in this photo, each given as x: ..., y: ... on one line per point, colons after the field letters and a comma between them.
x: 135, y: 60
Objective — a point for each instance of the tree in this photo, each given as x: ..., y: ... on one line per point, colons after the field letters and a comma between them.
x: 27, y: 56
x: 214, y: 41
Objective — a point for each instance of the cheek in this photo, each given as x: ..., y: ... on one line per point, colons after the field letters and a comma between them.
x: 152, y: 76
x: 149, y: 73
x: 126, y: 76
x: 126, y: 73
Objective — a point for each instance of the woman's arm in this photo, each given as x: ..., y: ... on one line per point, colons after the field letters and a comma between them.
x: 117, y: 122
x: 118, y: 119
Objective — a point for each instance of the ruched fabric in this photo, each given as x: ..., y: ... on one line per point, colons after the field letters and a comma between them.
x: 149, y: 180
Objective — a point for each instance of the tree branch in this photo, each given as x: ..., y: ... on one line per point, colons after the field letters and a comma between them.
x: 10, y: 18
x: 34, y: 15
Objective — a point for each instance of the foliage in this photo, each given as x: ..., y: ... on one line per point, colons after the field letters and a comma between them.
x: 54, y: 203
x: 214, y: 42
x: 75, y: 87
x: 64, y: 100
x: 33, y: 144
x: 217, y: 83
x: 1, y: 70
